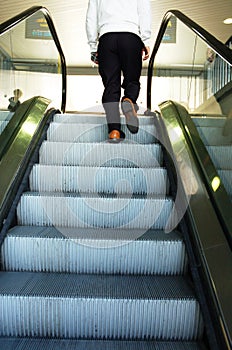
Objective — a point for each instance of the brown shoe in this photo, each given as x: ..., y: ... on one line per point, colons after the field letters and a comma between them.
x: 114, y: 136
x: 130, y: 113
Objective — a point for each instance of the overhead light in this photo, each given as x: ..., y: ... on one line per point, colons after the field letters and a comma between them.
x: 227, y: 21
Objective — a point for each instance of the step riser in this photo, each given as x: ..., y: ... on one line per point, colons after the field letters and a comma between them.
x: 71, y: 211
x: 104, y: 154
x: 92, y: 256
x: 64, y: 132
x: 100, y: 318
x: 99, y: 180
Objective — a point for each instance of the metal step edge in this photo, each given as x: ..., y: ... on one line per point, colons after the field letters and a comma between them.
x: 116, y: 307
x: 80, y: 210
x: 101, y: 154
x: 64, y: 132
x: 51, y: 178
x: 93, y: 233
x: 75, y: 344
x: 32, y: 251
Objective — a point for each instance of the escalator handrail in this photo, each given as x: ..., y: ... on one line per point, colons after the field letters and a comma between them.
x: 220, y: 48
x: 12, y: 22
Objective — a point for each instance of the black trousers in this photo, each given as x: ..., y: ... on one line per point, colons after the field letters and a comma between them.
x: 119, y: 53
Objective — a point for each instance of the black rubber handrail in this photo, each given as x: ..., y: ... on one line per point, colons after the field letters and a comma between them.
x: 220, y: 48
x: 12, y: 22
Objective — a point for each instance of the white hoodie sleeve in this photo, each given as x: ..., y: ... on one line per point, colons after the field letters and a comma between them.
x: 144, y: 12
x: 92, y: 25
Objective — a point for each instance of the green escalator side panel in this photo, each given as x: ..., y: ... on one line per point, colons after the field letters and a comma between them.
x: 17, y: 144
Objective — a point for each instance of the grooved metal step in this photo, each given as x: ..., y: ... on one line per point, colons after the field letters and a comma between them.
x: 70, y: 344
x: 98, y: 307
x: 149, y: 181
x: 6, y: 115
x: 90, y: 118
x: 214, y: 136
x: 226, y: 176
x: 221, y: 156
x: 68, y: 210
x: 101, y: 154
x: 67, y: 132
x: 218, y: 122
x: 93, y: 251
x: 3, y: 124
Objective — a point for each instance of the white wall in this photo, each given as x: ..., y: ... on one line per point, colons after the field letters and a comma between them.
x: 32, y: 84
x: 85, y: 92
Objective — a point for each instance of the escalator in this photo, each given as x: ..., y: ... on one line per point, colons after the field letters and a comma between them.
x: 84, y: 255
x: 101, y: 246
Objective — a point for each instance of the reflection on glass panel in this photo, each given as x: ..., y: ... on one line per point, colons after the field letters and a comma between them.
x: 29, y: 65
x: 180, y: 74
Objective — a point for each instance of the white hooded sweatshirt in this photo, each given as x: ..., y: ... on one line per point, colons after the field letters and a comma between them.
x: 104, y: 16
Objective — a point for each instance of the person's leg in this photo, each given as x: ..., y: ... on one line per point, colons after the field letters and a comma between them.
x: 110, y: 72
x: 131, y: 63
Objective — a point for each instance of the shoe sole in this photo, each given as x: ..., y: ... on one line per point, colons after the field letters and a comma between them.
x: 132, y: 120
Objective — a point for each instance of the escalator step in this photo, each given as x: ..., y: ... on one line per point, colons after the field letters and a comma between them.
x: 98, y: 307
x: 80, y: 210
x: 71, y: 344
x: 149, y: 181
x: 66, y: 132
x: 6, y: 115
x: 101, y: 154
x: 221, y: 156
x: 217, y: 122
x: 90, y: 118
x: 214, y: 136
x: 82, y: 118
x: 3, y: 124
x: 226, y: 176
x: 93, y: 251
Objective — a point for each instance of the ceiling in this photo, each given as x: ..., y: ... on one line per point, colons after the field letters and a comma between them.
x: 69, y: 20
